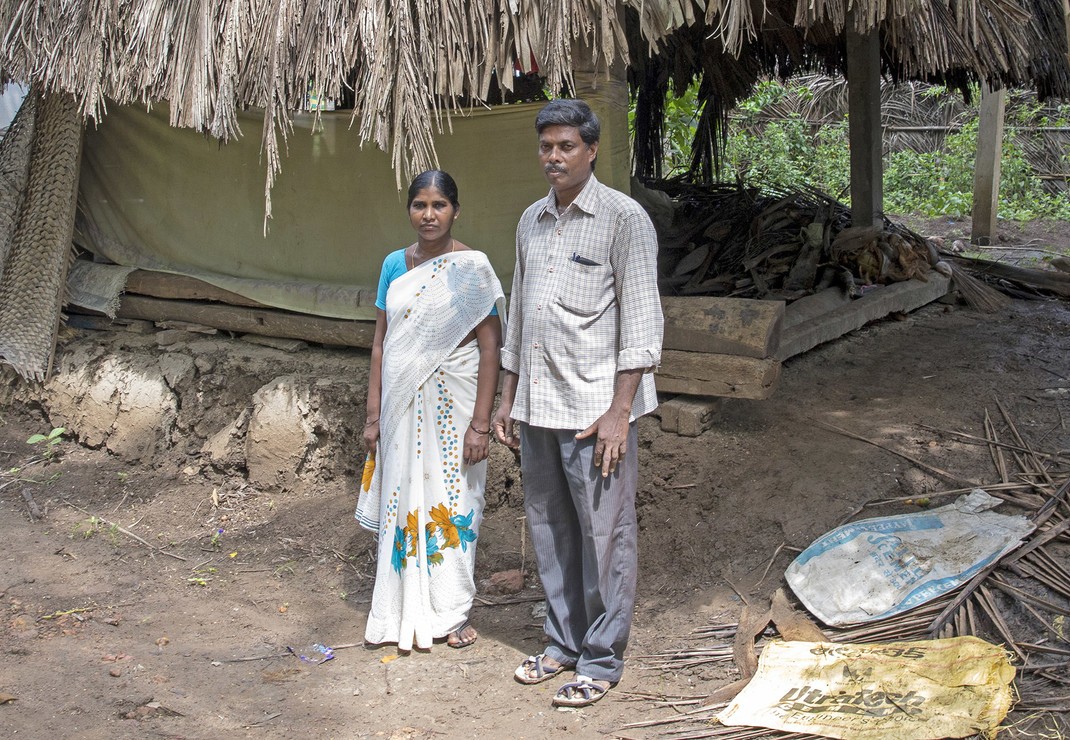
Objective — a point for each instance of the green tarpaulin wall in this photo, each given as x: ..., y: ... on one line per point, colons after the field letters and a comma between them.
x: 169, y: 199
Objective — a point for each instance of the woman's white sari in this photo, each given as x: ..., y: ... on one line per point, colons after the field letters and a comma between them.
x: 422, y: 500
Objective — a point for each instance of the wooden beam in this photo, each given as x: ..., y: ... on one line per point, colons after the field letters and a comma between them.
x: 730, y: 376
x: 1066, y: 21
x: 181, y: 287
x: 830, y: 314
x: 986, y: 166
x: 103, y: 323
x: 263, y: 321
x: 864, y: 126
x: 728, y: 326
x: 168, y: 285
x: 606, y: 90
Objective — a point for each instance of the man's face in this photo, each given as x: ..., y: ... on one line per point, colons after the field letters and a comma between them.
x: 565, y: 158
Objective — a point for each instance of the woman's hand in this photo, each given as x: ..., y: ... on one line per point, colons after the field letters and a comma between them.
x: 476, y: 445
x: 371, y: 435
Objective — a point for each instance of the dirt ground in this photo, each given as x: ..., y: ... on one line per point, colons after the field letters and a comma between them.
x: 176, y: 559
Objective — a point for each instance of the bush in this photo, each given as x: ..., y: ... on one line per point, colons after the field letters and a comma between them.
x: 769, y: 141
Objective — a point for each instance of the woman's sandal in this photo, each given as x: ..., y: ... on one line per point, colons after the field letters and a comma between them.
x: 461, y: 642
x: 583, y: 692
x: 533, y: 671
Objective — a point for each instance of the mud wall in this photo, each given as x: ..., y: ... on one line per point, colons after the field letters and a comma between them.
x: 280, y: 420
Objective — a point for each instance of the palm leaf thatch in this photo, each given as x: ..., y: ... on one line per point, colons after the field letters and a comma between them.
x: 209, y: 58
x: 406, y: 62
x: 953, y: 42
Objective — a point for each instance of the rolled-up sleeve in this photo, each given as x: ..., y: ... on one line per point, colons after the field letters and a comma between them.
x: 635, y: 269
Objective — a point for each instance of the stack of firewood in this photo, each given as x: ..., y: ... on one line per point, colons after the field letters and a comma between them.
x: 730, y: 240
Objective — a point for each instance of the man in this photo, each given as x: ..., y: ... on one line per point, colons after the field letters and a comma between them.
x: 583, y: 338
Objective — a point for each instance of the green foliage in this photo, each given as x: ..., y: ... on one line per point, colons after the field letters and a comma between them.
x: 941, y: 183
x: 91, y: 526
x: 767, y: 142
x: 781, y: 154
x: 48, y: 442
x: 681, y: 116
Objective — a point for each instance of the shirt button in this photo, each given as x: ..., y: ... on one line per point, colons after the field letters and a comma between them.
x: 535, y: 381
x: 536, y: 345
x: 551, y: 269
x: 539, y: 307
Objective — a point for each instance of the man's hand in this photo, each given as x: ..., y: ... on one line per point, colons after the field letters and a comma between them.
x: 502, y: 423
x: 612, y: 439
x: 503, y: 427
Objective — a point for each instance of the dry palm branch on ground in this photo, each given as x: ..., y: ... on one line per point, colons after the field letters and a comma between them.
x: 777, y: 242
x: 1021, y: 601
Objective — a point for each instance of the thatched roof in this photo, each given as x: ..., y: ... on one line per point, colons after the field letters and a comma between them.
x: 410, y: 59
x: 1006, y: 43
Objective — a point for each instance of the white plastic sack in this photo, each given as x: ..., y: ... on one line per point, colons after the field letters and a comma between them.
x: 897, y: 691
x: 876, y: 568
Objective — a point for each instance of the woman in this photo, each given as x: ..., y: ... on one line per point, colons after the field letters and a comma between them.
x: 434, y: 373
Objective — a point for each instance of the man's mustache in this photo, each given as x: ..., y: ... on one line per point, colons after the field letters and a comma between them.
x: 553, y: 168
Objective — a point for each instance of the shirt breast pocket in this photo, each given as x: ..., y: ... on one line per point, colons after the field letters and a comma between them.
x: 587, y: 288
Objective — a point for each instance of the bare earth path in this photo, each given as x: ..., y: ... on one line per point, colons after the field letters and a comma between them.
x: 103, y: 637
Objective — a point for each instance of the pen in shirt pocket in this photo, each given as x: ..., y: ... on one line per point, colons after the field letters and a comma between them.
x: 579, y: 260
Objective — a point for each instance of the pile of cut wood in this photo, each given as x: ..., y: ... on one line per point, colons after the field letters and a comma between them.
x: 730, y: 240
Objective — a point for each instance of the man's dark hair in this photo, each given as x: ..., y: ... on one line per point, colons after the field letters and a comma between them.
x: 575, y: 113
x: 434, y: 179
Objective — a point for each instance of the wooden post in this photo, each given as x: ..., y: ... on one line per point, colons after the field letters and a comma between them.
x: 1066, y: 19
x: 986, y: 166
x: 865, y: 135
x: 606, y: 91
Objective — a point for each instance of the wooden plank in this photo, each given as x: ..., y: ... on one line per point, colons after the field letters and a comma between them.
x: 845, y: 315
x: 181, y: 287
x: 267, y: 322
x: 986, y: 165
x: 730, y: 376
x: 728, y: 326
x: 864, y: 125
x: 688, y: 416
x: 103, y: 323
x: 167, y: 285
x: 813, y: 306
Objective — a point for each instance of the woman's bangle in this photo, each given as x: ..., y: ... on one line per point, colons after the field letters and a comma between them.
x: 472, y: 426
x: 369, y: 423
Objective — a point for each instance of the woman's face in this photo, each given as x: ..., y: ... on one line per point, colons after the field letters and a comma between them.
x: 432, y: 214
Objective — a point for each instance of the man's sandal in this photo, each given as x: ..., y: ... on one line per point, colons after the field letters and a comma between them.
x: 533, y: 671
x: 461, y: 642
x: 583, y: 692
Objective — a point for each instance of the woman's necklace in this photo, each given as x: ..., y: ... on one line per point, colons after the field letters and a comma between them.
x: 411, y: 254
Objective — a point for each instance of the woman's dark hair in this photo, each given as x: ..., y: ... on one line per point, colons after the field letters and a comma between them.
x: 434, y: 179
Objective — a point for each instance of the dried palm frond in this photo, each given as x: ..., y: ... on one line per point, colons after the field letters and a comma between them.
x: 977, y: 294
x: 412, y: 61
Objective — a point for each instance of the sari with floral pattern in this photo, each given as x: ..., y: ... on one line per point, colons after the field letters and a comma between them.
x: 419, y: 496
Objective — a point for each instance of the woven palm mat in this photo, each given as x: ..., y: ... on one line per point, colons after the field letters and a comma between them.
x: 35, y: 273
x: 1021, y: 601
x: 15, y: 150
